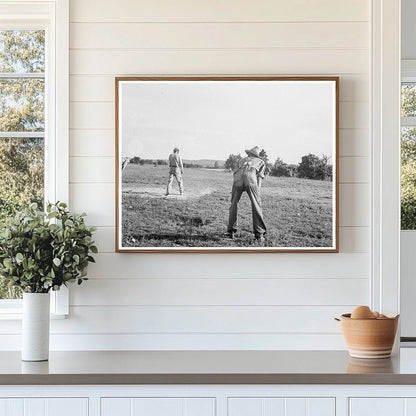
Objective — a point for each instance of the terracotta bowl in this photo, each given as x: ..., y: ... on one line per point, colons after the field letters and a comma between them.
x: 369, y: 338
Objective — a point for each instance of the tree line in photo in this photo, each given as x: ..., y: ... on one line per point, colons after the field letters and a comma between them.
x: 310, y: 167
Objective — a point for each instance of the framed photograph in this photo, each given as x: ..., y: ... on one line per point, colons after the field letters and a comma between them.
x: 226, y: 164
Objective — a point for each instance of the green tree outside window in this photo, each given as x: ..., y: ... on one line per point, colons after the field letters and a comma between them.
x: 22, y: 111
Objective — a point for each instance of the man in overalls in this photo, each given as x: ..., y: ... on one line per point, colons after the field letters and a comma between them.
x: 175, y: 171
x: 248, y: 178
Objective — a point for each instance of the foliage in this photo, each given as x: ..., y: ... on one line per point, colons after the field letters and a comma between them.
x: 232, y: 162
x: 263, y: 154
x: 314, y: 167
x: 408, y: 145
x: 22, y: 51
x: 408, y: 196
x: 408, y: 179
x: 280, y: 168
x: 21, y: 174
x: 408, y: 105
x: 40, y: 252
x: 22, y: 100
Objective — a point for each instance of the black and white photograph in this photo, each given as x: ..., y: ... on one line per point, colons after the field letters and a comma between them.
x: 231, y: 164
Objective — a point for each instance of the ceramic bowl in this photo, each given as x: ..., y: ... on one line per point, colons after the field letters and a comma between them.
x: 369, y: 338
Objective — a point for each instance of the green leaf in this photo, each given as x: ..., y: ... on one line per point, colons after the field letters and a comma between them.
x: 56, y: 261
x: 94, y: 249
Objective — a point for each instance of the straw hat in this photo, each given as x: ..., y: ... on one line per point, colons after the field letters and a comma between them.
x: 255, y: 151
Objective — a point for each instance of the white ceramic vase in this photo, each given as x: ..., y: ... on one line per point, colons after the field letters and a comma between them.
x: 35, y: 326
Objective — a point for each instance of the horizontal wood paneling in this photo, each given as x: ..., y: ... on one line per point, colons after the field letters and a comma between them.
x: 353, y: 115
x: 99, y: 88
x: 354, y: 170
x: 94, y: 143
x: 218, y: 11
x: 218, y: 35
x: 352, y: 239
x: 92, y: 115
x: 220, y: 291
x: 354, y: 142
x: 195, y: 319
x: 200, y: 319
x: 214, y: 301
x: 220, y: 62
x: 184, y: 265
x: 354, y: 208
x: 192, y: 341
x: 97, y: 200
x: 92, y: 169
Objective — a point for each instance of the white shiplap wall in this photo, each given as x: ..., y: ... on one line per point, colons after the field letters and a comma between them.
x: 213, y: 301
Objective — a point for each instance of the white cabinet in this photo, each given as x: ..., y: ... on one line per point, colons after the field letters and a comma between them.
x: 159, y: 406
x: 281, y: 406
x: 382, y: 406
x: 44, y: 407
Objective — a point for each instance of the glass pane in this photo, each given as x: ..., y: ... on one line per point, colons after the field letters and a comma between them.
x: 22, y: 105
x: 21, y: 183
x: 22, y: 51
x: 408, y: 178
x: 409, y: 99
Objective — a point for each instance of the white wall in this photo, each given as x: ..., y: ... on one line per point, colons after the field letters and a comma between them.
x: 213, y: 301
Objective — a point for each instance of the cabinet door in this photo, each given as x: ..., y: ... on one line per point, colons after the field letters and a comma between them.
x: 44, y: 407
x: 160, y: 406
x: 281, y: 406
x: 380, y: 406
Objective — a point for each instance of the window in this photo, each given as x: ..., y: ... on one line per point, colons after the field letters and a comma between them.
x: 33, y: 113
x: 22, y: 124
x: 408, y: 154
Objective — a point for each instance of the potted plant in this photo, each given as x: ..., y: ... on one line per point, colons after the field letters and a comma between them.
x: 40, y: 252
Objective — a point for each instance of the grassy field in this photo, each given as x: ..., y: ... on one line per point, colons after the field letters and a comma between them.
x: 297, y: 212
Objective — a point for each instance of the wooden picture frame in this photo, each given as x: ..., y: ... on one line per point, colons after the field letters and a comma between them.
x: 273, y: 140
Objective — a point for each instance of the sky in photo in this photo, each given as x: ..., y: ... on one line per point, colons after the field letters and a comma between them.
x: 213, y: 119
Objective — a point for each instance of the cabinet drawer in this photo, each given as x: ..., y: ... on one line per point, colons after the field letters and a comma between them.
x: 44, y: 407
x: 273, y: 406
x: 382, y: 406
x: 160, y: 406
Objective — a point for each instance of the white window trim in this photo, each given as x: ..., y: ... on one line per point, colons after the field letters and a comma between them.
x: 385, y: 113
x: 53, y: 14
x: 385, y: 158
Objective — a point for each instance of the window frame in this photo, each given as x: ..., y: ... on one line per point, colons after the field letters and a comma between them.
x: 53, y: 17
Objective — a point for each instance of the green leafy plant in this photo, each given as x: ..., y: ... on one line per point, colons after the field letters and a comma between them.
x: 43, y: 251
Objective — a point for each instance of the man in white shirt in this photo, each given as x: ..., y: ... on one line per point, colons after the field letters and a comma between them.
x: 175, y: 171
